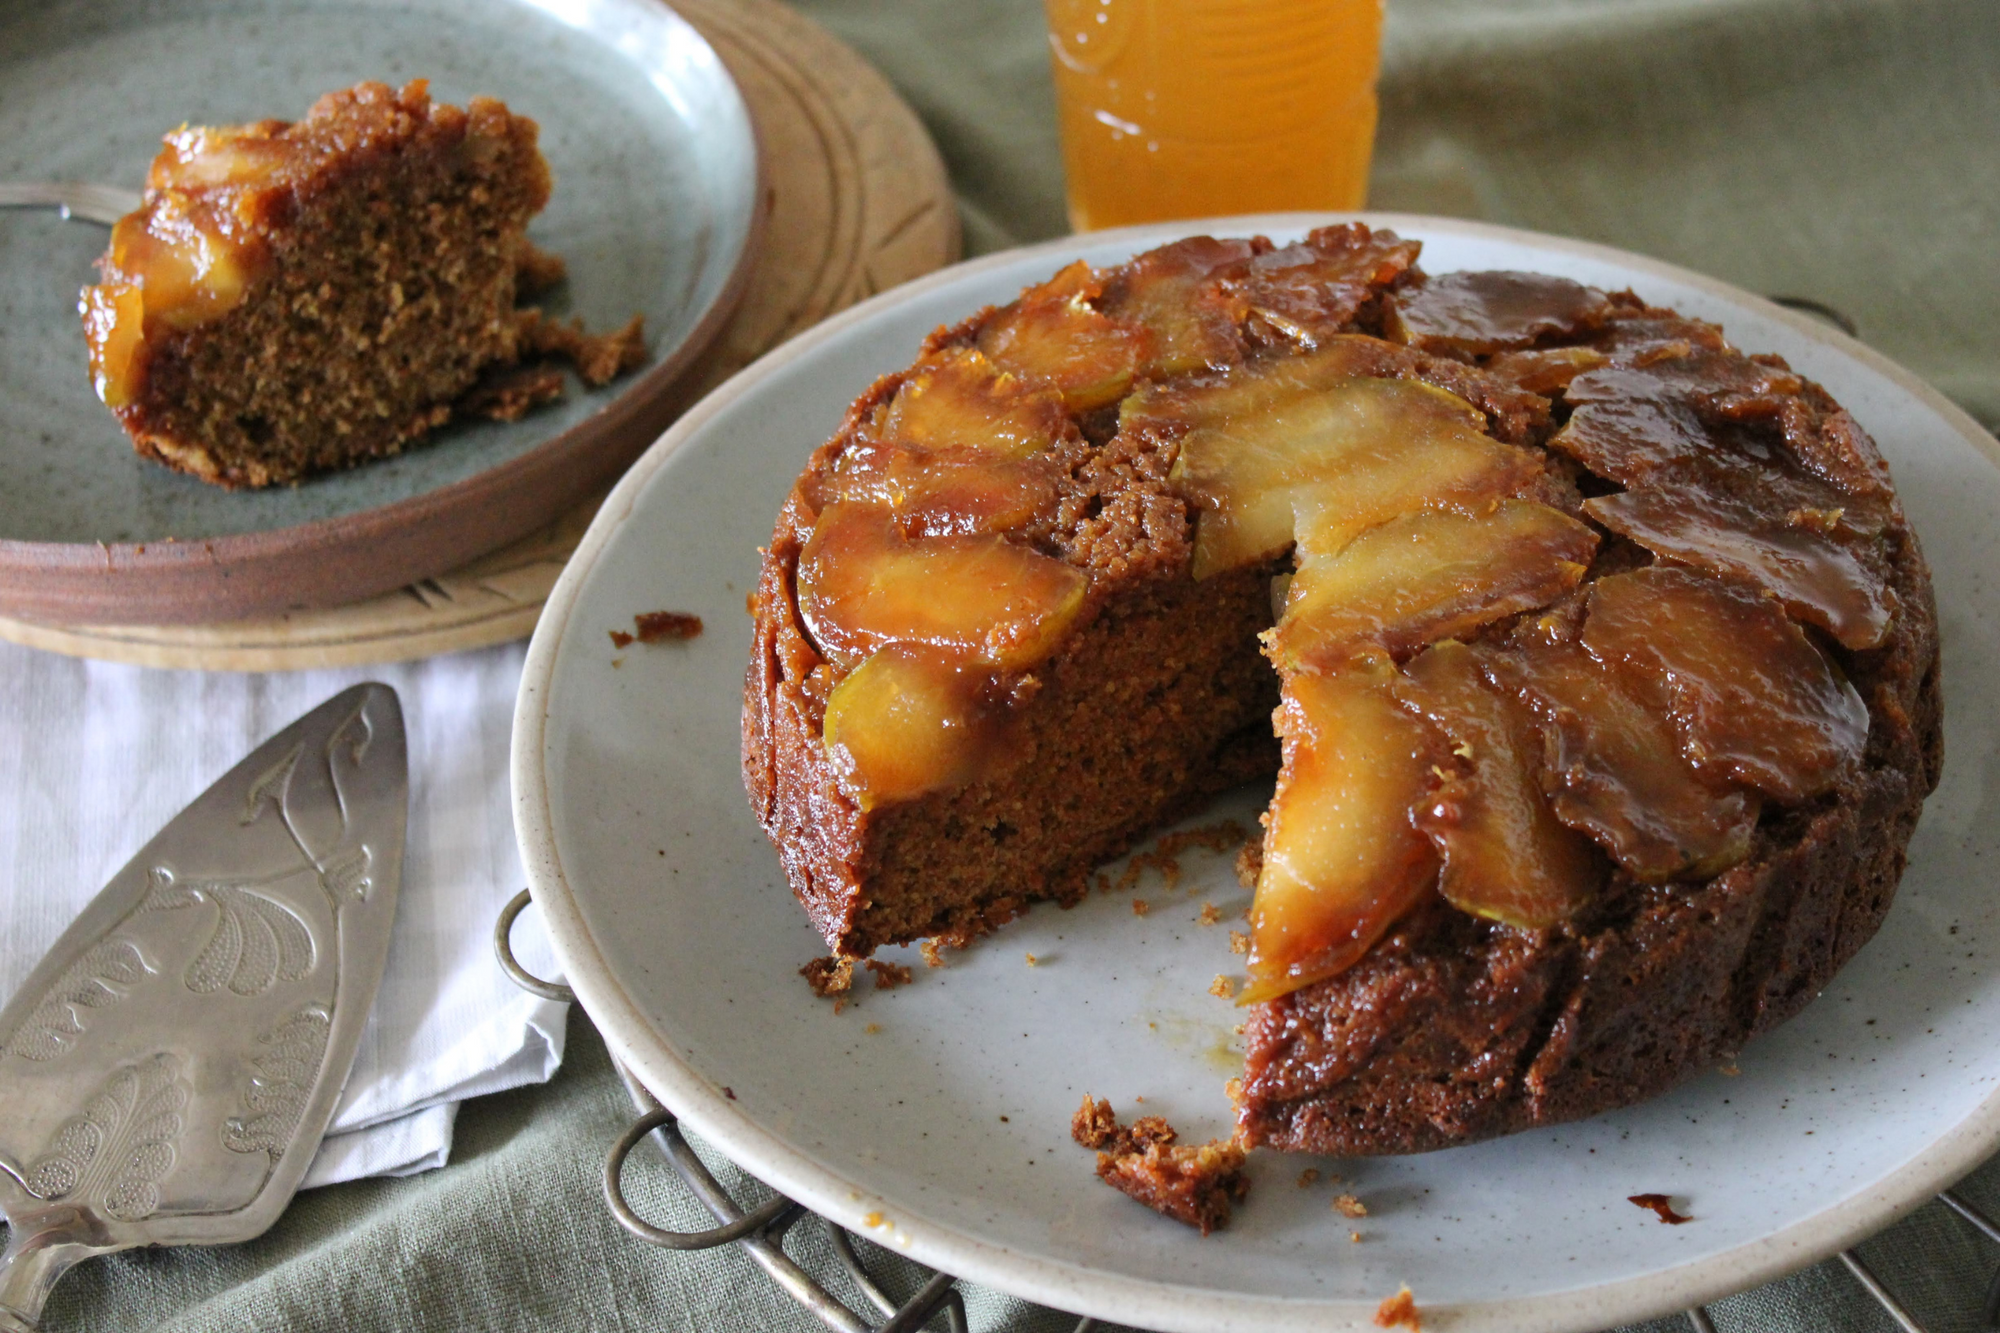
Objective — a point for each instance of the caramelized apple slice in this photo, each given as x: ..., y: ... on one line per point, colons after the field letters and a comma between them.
x: 1492, y: 311
x: 1672, y: 407
x: 1302, y: 442
x: 938, y: 492
x: 963, y: 401
x: 1052, y: 336
x: 909, y: 720
x: 1402, y: 470
x: 222, y: 157
x: 1548, y: 371
x: 114, y: 320
x: 1817, y: 577
x: 991, y: 601
x: 1310, y: 291
x: 1165, y: 291
x: 187, y: 270
x: 1506, y: 856
x: 1616, y: 769
x: 1749, y: 696
x: 1342, y: 859
x: 1429, y: 576
x: 1626, y: 440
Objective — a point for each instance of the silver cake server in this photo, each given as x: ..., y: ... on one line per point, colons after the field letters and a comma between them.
x: 168, y: 1070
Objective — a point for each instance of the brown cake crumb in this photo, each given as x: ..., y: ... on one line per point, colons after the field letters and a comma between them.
x: 888, y: 976
x: 933, y: 956
x: 1662, y: 1206
x: 1191, y: 1185
x: 1249, y: 863
x: 620, y: 639
x: 1239, y: 942
x: 1033, y: 961
x: 1399, y: 1311
x: 1308, y: 1176
x: 1094, y: 1124
x: 829, y: 976
x: 1140, y: 907
x: 1165, y: 855
x: 1209, y: 915
x: 1349, y: 1206
x: 1354, y: 1237
x: 654, y: 626
x: 598, y: 357
x: 1222, y: 987
x: 1215, y: 837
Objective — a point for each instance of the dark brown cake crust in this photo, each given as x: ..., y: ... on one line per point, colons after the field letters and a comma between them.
x: 1452, y: 1028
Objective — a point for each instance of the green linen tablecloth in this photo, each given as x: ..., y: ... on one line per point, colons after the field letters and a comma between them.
x: 1843, y: 150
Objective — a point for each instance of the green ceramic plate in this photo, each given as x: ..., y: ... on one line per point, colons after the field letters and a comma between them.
x: 655, y: 208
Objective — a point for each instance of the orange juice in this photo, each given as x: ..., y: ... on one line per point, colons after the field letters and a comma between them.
x: 1191, y: 108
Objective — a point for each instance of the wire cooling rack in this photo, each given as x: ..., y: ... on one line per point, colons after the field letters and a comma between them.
x: 760, y: 1231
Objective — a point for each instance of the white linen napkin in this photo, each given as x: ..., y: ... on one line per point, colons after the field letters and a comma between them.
x: 95, y: 758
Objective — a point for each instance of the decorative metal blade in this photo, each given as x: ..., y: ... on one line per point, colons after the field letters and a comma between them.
x: 168, y: 1070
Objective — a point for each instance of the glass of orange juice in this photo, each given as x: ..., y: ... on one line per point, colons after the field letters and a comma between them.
x: 1194, y: 108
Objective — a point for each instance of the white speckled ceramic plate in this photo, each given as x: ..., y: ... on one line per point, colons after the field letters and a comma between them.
x: 935, y: 1117
x: 655, y: 209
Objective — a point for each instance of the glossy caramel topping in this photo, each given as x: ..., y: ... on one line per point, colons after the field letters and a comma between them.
x: 1506, y: 856
x: 1428, y: 576
x: 1272, y: 449
x: 1818, y: 577
x: 1616, y: 768
x: 1546, y: 371
x: 1673, y: 423
x: 1478, y: 313
x: 189, y: 253
x: 911, y: 719
x: 1627, y: 440
x: 1750, y: 698
x: 1309, y: 292
x: 1167, y: 290
x: 938, y: 492
x: 1052, y: 335
x: 1342, y: 857
x: 963, y: 401
x: 989, y: 601
x: 114, y: 317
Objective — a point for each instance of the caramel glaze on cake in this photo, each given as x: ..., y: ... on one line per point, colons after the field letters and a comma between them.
x: 294, y: 297
x: 1606, y: 678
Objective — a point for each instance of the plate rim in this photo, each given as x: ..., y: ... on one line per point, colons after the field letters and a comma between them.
x: 271, y: 571
x: 703, y: 1104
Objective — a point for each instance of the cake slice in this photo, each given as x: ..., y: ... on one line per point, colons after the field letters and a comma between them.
x: 297, y: 297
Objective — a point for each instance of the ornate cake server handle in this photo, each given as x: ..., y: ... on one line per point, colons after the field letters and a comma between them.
x: 169, y: 1068
x: 73, y: 199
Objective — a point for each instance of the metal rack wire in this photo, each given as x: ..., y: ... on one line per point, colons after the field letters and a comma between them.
x: 760, y: 1231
